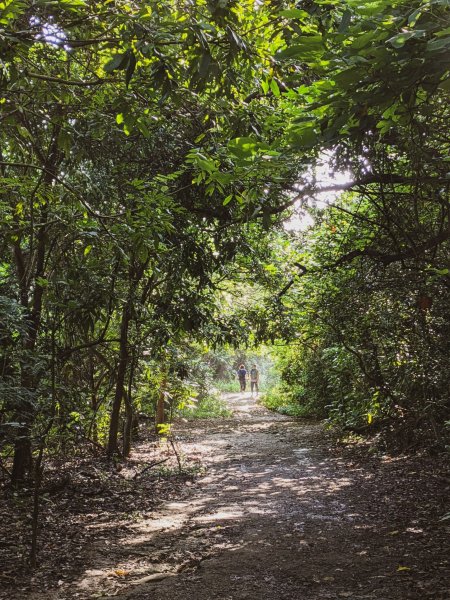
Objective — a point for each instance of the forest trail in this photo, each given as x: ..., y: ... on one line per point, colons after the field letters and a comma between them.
x: 276, y: 515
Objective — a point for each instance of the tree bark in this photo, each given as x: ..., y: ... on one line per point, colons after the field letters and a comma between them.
x: 160, y: 416
x: 31, y: 297
x: 120, y: 382
x: 129, y: 412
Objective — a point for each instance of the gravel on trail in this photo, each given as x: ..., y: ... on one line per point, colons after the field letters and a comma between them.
x: 278, y: 513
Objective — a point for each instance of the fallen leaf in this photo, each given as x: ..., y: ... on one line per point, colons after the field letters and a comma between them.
x: 120, y: 572
x: 400, y: 568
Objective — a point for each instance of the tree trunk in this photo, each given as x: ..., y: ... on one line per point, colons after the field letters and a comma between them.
x: 128, y: 427
x: 22, y: 455
x: 22, y: 461
x: 120, y: 382
x: 129, y: 411
x: 160, y: 416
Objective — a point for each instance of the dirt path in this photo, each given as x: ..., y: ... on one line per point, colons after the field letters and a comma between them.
x: 277, y: 515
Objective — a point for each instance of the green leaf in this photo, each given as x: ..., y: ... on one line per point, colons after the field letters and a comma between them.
x: 42, y: 282
x: 227, y: 200
x: 265, y: 85
x: 244, y: 147
x: 130, y: 69
x: 398, y: 41
x: 294, y: 13
x: 440, y: 44
x: 365, y: 39
x: 65, y: 142
x: 203, y: 64
x: 274, y: 87
x: 307, y: 48
x: 345, y: 21
x: 445, y: 85
x: 143, y: 128
x: 442, y: 32
x: 414, y: 17
x: 344, y: 79
x: 118, y: 62
x: 303, y: 137
x: 87, y: 249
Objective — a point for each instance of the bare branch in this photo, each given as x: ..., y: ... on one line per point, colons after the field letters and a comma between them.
x: 71, y: 82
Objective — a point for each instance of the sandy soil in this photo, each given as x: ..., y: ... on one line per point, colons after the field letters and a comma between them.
x: 278, y: 514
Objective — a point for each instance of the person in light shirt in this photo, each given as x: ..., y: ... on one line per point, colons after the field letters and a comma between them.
x: 254, y: 380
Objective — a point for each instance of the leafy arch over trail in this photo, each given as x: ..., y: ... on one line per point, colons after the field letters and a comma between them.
x: 149, y: 153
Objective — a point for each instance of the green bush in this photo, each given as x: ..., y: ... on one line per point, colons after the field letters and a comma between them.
x: 227, y: 386
x: 281, y: 401
x: 209, y: 407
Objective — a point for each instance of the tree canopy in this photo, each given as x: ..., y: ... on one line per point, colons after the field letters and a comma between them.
x: 150, y: 153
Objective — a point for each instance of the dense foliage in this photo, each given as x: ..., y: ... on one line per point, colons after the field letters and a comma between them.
x: 149, y: 153
x: 367, y: 303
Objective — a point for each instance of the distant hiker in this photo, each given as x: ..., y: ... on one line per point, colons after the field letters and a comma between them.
x: 242, y: 376
x: 254, y: 379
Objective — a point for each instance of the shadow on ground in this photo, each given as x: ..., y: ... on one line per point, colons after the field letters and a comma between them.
x: 277, y: 514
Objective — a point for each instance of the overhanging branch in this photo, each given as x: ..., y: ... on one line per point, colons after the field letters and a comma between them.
x: 382, y: 178
x: 377, y: 255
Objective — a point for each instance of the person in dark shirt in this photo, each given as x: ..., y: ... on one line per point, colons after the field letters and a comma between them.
x: 242, y: 376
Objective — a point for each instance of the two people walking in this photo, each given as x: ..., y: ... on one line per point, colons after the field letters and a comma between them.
x: 253, y: 376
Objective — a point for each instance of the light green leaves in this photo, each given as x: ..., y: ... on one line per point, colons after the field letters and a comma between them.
x: 308, y: 48
x: 294, y: 13
x: 245, y: 147
x: 274, y: 87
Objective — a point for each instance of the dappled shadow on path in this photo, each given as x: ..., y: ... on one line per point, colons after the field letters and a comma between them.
x: 276, y: 515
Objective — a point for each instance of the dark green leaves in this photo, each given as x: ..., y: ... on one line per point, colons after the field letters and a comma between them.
x: 122, y: 62
x: 131, y: 66
x: 118, y: 62
x: 398, y: 41
x: 345, y: 21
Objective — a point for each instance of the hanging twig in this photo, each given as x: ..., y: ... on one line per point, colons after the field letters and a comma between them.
x: 180, y: 468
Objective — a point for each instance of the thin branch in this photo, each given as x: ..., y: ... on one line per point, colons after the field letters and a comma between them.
x: 71, y: 82
x: 387, y: 179
x: 385, y: 259
x: 150, y: 466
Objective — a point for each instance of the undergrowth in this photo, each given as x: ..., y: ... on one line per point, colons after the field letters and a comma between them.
x: 280, y: 401
x: 209, y: 407
x: 227, y: 386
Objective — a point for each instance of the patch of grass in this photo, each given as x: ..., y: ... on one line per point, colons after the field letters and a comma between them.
x: 210, y: 407
x: 227, y: 386
x: 278, y: 401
